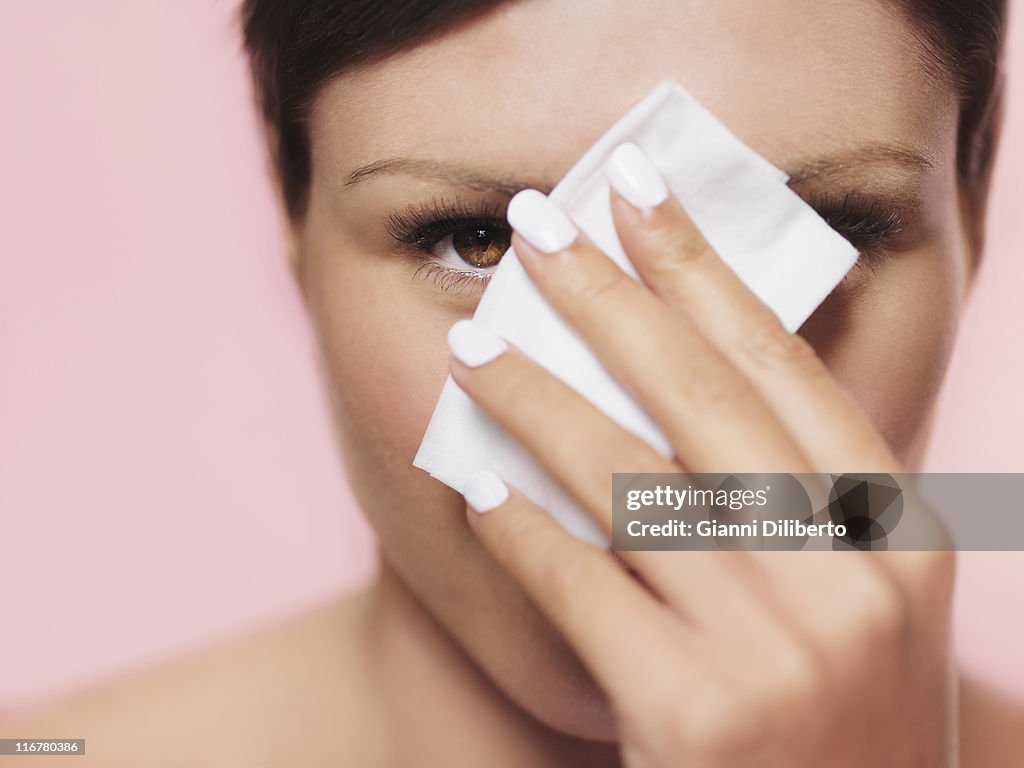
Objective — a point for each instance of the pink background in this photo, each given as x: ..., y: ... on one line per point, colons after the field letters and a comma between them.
x: 167, y: 477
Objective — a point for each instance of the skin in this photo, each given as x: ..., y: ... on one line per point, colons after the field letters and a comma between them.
x: 454, y: 656
x: 386, y: 366
x: 841, y: 644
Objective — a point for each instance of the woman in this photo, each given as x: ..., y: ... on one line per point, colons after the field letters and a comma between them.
x: 399, y: 133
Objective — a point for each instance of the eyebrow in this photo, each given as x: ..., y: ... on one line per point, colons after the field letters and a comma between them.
x: 891, y: 155
x: 461, y: 175
x: 487, y: 181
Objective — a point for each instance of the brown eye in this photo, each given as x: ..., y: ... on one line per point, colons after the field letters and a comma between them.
x: 480, y: 245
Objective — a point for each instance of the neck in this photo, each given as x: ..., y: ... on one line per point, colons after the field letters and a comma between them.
x: 440, y: 708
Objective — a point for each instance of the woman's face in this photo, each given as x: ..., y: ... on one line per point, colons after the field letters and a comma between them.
x: 415, y: 157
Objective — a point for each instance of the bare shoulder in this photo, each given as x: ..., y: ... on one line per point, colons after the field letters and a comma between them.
x: 992, y: 728
x: 273, y: 698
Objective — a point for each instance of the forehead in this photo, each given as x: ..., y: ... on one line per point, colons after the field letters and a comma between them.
x: 532, y: 84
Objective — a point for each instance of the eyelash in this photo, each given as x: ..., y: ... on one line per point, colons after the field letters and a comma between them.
x: 450, y: 280
x: 422, y: 227
x: 865, y: 220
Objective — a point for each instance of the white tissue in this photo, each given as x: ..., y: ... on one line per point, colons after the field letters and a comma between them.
x: 771, y: 238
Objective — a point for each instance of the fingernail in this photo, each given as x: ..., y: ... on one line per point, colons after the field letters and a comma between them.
x: 484, y: 491
x: 544, y: 225
x: 634, y: 176
x: 474, y: 345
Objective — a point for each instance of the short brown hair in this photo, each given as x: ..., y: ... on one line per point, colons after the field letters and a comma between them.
x: 296, y: 46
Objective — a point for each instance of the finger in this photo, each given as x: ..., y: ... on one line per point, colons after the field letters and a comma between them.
x: 712, y: 416
x: 620, y: 632
x: 577, y: 444
x: 721, y: 593
x: 818, y: 593
x: 852, y: 609
x: 581, y: 448
x: 679, y: 265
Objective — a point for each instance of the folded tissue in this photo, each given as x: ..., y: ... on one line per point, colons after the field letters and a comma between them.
x: 777, y: 244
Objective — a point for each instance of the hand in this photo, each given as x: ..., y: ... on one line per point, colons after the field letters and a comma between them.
x: 709, y: 658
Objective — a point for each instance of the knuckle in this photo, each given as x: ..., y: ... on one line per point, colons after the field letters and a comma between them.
x: 514, y: 537
x: 677, y: 246
x: 631, y: 456
x: 519, y: 390
x: 932, y: 573
x: 716, y: 390
x: 879, y: 611
x: 924, y: 583
x: 769, y: 346
x: 725, y: 723
x: 602, y: 289
x: 567, y: 573
x: 796, y: 677
x: 721, y: 726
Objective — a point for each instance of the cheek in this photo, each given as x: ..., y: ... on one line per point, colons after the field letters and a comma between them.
x: 888, y: 340
x: 383, y: 340
x: 384, y: 345
x: 386, y: 370
x: 382, y: 335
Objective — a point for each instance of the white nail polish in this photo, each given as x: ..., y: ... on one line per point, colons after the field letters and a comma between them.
x: 544, y: 225
x: 634, y: 177
x: 474, y: 345
x: 484, y: 491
